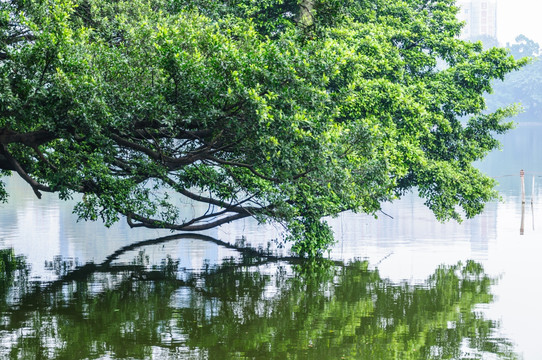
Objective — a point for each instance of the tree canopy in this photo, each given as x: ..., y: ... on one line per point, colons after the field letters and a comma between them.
x: 282, y: 110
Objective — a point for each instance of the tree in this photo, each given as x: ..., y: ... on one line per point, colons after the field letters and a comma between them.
x: 523, y: 47
x: 279, y: 110
x: 523, y: 86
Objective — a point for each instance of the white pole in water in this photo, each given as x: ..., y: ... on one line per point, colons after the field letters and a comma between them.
x: 532, y: 201
x: 522, y: 227
x: 522, y: 177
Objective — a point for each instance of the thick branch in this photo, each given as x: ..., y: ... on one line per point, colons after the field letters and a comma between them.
x: 5, y: 164
x: 22, y: 173
x: 15, y: 38
x: 31, y: 139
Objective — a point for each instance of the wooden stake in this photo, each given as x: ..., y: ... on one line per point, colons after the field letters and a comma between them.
x: 532, y: 201
x: 522, y: 227
x: 522, y: 177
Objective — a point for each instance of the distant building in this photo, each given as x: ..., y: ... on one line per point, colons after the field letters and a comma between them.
x: 480, y: 17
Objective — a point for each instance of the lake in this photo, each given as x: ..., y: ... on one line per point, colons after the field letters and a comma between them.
x: 402, y: 286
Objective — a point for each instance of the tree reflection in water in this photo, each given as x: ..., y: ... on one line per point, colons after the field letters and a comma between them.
x: 249, y: 309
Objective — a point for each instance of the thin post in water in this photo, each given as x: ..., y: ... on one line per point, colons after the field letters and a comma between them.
x: 532, y: 201
x: 522, y: 177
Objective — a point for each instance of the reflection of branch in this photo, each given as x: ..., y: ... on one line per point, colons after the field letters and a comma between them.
x: 243, y: 250
x: 384, y: 258
x: 84, y: 272
x: 28, y: 302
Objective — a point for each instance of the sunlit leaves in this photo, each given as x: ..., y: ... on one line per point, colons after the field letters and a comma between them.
x: 264, y: 113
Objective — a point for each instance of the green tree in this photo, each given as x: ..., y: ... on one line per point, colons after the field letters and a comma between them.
x: 523, y: 86
x: 281, y: 110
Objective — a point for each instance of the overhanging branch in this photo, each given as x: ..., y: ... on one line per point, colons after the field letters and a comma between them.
x: 31, y: 139
x: 172, y: 163
x: 36, y: 187
x: 189, y: 226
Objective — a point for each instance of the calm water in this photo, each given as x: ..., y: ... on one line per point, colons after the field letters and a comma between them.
x: 412, y: 288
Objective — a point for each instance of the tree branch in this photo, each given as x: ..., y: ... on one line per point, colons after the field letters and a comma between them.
x: 171, y: 162
x: 31, y: 139
x: 158, y: 224
x: 22, y: 173
x: 15, y: 38
x: 254, y: 171
x: 242, y: 165
x: 43, y: 158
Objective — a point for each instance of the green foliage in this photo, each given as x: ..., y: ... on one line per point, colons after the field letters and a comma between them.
x: 282, y: 110
x: 523, y: 86
x: 3, y: 193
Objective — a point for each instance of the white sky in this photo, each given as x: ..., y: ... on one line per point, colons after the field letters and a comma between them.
x: 515, y: 17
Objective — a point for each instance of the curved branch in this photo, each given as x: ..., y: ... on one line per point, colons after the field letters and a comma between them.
x: 200, y: 198
x: 193, y: 196
x: 189, y: 226
x: 22, y: 173
x: 171, y: 162
x: 245, y: 250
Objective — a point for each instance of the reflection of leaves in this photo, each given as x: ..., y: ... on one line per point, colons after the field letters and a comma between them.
x: 357, y: 315
x: 12, y: 268
x: 10, y: 264
x: 62, y: 266
x: 271, y: 311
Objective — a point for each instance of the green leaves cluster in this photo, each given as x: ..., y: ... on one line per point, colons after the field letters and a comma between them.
x: 282, y: 110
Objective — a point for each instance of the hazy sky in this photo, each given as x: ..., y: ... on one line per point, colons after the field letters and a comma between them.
x: 516, y: 17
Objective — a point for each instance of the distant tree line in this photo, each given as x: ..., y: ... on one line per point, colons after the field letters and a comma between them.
x: 523, y: 86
